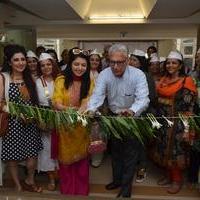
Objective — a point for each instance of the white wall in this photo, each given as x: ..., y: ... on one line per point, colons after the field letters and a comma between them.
x: 166, y: 35
x: 99, y: 45
x: 113, y: 32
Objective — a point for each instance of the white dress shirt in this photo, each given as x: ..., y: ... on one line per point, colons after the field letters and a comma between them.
x: 127, y: 92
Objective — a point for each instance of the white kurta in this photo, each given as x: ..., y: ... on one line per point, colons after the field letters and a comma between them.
x: 45, y: 163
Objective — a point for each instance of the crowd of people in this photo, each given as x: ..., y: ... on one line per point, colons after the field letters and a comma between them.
x: 121, y: 83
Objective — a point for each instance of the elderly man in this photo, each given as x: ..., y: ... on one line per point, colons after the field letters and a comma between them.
x: 127, y: 93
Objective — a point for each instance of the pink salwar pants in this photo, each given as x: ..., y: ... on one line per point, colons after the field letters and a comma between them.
x: 74, y: 178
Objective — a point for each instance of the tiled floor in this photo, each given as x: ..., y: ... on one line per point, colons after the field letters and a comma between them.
x: 98, y: 178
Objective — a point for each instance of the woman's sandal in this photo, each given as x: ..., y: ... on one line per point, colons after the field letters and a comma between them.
x: 51, y: 187
x: 31, y: 188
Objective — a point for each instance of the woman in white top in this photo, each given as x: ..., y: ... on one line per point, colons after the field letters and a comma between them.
x: 45, y: 85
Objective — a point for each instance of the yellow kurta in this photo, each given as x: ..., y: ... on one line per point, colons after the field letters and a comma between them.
x: 73, y: 144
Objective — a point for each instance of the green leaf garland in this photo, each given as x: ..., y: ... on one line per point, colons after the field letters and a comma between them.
x: 112, y: 126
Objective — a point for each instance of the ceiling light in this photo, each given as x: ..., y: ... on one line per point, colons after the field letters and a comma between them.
x: 115, y: 17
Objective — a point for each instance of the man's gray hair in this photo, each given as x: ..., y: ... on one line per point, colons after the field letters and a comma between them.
x: 118, y: 48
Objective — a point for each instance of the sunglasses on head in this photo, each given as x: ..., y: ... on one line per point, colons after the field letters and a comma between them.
x: 78, y: 51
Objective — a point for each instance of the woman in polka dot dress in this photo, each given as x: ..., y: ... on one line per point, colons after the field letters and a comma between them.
x: 23, y: 141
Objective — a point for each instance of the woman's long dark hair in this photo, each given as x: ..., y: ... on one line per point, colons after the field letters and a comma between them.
x: 85, y: 82
x: 10, y: 52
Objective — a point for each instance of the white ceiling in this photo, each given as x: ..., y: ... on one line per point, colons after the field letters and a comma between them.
x: 51, y: 13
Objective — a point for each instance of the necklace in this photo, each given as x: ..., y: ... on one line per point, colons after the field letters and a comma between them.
x: 17, y: 79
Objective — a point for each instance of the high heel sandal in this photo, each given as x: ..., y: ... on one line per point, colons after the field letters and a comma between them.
x: 51, y: 187
x: 31, y: 187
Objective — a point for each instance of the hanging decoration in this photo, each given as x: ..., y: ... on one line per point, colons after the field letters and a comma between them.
x: 143, y: 128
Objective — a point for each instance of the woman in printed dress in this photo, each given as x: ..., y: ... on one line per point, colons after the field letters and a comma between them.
x: 176, y: 94
x: 72, y: 90
x: 45, y: 85
x: 23, y: 141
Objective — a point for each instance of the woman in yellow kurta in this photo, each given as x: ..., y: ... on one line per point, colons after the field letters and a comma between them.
x: 72, y: 90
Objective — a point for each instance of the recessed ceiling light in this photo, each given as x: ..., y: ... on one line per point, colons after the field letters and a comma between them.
x: 115, y: 17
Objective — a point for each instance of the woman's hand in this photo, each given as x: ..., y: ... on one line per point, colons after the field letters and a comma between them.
x: 81, y: 110
x: 59, y: 106
x: 25, y: 119
x: 126, y: 113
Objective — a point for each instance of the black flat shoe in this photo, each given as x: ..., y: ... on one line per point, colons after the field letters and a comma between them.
x: 112, y: 186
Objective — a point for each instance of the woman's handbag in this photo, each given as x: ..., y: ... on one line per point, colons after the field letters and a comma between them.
x: 3, y: 115
x: 97, y: 140
x: 3, y: 123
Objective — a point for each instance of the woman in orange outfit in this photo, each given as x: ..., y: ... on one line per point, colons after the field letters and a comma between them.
x: 176, y: 94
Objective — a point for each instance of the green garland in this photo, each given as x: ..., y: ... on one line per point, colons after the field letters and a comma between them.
x: 112, y: 126
x: 144, y: 128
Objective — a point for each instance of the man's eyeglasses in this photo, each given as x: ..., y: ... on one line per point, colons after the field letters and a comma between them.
x: 78, y: 51
x: 118, y: 63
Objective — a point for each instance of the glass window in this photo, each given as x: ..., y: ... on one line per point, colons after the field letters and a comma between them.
x: 188, y: 50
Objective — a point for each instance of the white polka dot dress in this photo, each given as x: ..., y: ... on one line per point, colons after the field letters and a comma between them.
x: 22, y: 140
